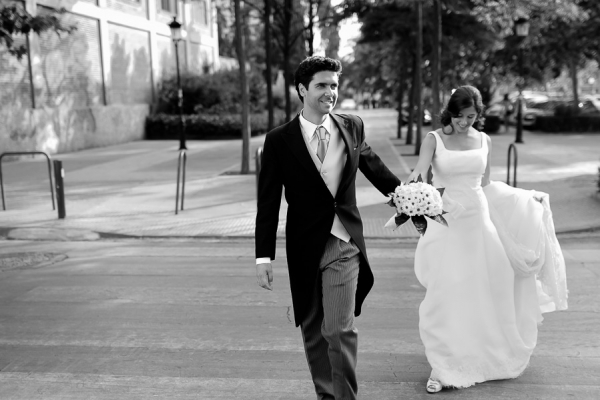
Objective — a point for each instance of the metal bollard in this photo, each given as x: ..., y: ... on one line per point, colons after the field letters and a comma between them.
x: 259, y: 152
x: 180, y: 162
x: 512, y: 149
x: 59, y: 174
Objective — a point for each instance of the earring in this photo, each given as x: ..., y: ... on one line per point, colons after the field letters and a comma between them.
x: 447, y: 129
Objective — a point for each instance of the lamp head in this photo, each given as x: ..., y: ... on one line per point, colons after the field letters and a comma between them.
x: 522, y: 26
x: 175, y: 30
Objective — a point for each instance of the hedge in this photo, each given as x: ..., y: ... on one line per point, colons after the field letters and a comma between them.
x: 211, y: 93
x: 581, y: 123
x: 203, y: 127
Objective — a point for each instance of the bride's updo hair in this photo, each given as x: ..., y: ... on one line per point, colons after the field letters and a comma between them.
x: 463, y: 97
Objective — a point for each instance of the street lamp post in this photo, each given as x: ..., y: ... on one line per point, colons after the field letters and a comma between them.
x: 177, y: 37
x: 522, y: 30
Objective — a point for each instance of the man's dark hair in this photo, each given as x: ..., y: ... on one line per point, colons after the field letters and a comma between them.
x: 310, y: 66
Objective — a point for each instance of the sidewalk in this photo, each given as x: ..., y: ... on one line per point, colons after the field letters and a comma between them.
x: 130, y: 189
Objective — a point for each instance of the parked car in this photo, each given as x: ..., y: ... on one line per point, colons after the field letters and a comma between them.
x: 594, y: 99
x: 495, y: 110
x: 348, y: 104
x: 532, y: 108
x: 426, y: 116
x: 589, y: 105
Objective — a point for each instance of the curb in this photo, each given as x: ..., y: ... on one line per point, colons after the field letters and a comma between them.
x: 81, y: 235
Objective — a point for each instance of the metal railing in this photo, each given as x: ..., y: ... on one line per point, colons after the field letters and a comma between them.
x: 24, y: 153
x: 512, y: 149
x: 258, y: 160
x: 181, y: 161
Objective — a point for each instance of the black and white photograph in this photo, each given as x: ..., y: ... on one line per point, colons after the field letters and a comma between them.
x: 299, y: 199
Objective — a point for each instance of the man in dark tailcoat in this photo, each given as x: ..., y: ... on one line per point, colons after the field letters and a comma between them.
x: 315, y: 157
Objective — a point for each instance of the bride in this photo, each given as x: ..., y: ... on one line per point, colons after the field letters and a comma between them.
x: 496, y: 267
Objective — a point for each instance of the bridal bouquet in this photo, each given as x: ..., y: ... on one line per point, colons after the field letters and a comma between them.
x: 414, y: 201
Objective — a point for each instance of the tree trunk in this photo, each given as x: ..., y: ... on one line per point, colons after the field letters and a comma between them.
x: 311, y: 27
x: 573, y: 70
x: 400, y: 94
x: 286, y: 80
x: 288, y: 13
x: 436, y: 61
x: 241, y: 55
x: 411, y: 106
x: 418, y: 76
x: 269, y: 70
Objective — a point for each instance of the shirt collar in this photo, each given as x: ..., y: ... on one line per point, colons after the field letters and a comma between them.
x: 308, y: 128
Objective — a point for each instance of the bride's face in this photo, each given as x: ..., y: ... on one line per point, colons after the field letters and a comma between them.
x: 464, y: 120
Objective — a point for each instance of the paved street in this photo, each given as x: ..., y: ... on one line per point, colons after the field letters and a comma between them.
x: 184, y: 319
x: 124, y: 300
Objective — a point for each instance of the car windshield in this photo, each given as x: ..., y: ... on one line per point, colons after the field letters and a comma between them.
x: 542, y: 105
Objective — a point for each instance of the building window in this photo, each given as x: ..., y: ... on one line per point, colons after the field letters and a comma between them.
x: 200, y: 12
x: 167, y: 5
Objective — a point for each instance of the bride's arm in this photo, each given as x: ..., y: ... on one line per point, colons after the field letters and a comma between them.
x: 485, y: 179
x: 425, y: 157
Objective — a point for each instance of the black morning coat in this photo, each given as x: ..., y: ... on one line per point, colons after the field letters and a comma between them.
x: 287, y: 163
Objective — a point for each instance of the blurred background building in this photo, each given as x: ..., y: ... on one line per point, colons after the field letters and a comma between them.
x: 95, y: 86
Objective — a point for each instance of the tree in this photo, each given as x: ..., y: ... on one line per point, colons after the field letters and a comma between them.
x: 330, y: 31
x: 567, y: 43
x: 418, y: 74
x: 540, y: 47
x: 15, y: 20
x: 289, y: 28
x: 268, y: 61
x: 241, y: 53
x: 435, y: 61
x: 313, y: 7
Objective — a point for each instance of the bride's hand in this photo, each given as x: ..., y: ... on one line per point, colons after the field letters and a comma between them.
x: 413, y: 176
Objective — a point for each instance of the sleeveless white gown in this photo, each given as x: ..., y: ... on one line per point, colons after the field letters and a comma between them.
x: 479, y: 318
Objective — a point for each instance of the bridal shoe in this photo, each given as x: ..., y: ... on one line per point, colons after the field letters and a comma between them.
x: 433, y: 386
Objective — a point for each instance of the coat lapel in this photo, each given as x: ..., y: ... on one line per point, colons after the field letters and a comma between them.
x: 345, y: 127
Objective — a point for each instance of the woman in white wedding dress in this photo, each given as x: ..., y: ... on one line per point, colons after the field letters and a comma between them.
x: 493, y: 270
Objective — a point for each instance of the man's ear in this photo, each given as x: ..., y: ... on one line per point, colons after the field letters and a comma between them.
x: 302, y: 89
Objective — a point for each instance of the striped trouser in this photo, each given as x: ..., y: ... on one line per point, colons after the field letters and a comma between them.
x: 330, y: 338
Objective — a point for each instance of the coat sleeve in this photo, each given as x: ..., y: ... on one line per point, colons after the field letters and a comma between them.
x: 372, y: 167
x: 270, y: 186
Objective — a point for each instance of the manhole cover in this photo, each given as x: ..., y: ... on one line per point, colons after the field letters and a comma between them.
x: 29, y: 260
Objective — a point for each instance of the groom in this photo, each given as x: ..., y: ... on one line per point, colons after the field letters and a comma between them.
x: 315, y: 158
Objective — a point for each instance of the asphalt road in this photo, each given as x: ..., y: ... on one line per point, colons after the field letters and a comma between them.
x: 185, y: 319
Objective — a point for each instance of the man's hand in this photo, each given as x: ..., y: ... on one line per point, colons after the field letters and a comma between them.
x: 264, y: 275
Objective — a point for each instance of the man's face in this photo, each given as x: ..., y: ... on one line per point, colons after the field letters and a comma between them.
x: 322, y: 92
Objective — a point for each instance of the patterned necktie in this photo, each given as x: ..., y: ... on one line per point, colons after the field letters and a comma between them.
x: 321, y: 133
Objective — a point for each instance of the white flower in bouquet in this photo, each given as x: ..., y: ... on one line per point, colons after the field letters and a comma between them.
x: 414, y: 201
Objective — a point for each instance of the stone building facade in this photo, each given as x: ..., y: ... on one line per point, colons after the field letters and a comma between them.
x: 95, y: 86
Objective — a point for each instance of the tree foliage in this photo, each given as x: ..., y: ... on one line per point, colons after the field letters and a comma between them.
x: 479, y: 45
x: 15, y: 20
